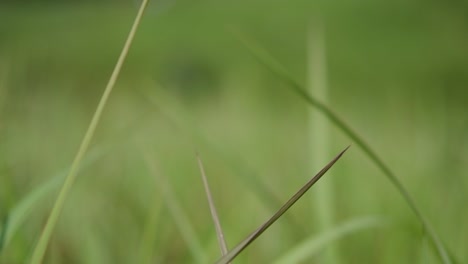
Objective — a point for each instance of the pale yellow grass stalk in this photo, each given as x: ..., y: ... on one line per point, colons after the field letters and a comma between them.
x: 41, y: 247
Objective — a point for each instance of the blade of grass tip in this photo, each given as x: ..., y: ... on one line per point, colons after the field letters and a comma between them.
x: 246, y: 242
x: 214, y: 213
x: 40, y: 249
x: 317, y: 243
x: 180, y: 218
x: 267, y: 60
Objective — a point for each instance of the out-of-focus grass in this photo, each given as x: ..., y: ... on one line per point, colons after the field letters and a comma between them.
x: 399, y: 75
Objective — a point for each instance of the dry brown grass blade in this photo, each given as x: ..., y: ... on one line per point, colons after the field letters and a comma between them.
x: 246, y: 242
x: 214, y: 213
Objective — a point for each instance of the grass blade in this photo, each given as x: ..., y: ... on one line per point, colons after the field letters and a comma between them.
x: 319, y: 134
x: 270, y: 63
x: 214, y: 213
x: 22, y: 211
x: 40, y: 249
x: 246, y: 242
x: 316, y: 244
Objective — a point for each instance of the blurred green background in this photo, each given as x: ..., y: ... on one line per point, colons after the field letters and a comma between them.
x: 397, y: 72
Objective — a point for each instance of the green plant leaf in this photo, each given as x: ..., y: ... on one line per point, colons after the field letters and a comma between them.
x: 276, y: 68
x: 44, y: 238
x: 22, y: 211
x: 252, y: 237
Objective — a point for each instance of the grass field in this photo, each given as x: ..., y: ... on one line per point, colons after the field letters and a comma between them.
x: 395, y: 72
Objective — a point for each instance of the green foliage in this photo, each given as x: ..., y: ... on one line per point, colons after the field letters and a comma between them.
x: 35, y: 200
x: 262, y: 228
x: 276, y: 68
x: 395, y: 73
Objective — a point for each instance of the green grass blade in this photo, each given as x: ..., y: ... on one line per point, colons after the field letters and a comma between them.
x: 181, y: 220
x: 319, y: 135
x: 40, y: 249
x: 22, y: 211
x: 317, y: 243
x: 246, y: 242
x: 270, y: 63
x: 214, y: 213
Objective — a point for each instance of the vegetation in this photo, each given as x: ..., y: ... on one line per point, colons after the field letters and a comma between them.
x: 396, y: 76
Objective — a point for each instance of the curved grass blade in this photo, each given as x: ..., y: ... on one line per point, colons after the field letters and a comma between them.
x: 214, y: 213
x: 20, y: 213
x: 316, y: 244
x: 22, y: 210
x: 276, y: 68
x: 246, y: 242
x: 40, y: 249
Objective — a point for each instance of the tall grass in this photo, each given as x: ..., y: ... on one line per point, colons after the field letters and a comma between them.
x: 319, y: 131
x: 40, y: 249
x: 303, y: 250
x: 275, y: 67
x: 259, y: 231
x: 31, y: 202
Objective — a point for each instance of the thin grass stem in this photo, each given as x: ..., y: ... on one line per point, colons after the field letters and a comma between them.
x: 41, y: 247
x: 259, y: 231
x: 319, y: 131
x: 214, y: 213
